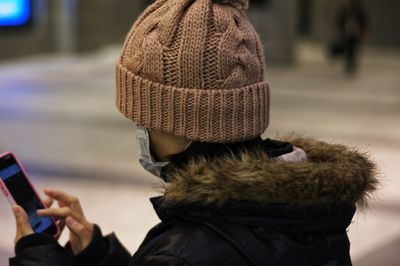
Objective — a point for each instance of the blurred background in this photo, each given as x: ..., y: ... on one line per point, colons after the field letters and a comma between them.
x: 57, y: 109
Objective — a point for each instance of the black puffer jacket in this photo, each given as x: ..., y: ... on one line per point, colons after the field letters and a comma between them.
x: 243, y: 208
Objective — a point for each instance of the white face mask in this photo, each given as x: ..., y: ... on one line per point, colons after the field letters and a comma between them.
x: 145, y: 158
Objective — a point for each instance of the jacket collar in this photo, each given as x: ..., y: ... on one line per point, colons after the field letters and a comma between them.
x: 270, y: 217
x: 212, y: 151
x: 333, y: 174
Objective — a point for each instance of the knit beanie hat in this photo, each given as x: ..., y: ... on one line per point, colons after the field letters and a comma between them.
x: 195, y: 68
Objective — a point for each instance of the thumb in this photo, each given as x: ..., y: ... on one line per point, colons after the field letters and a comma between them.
x: 22, y: 221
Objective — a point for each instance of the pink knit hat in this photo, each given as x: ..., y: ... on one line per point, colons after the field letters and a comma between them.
x: 195, y: 68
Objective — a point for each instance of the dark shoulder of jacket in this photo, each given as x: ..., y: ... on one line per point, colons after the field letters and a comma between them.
x: 185, y: 243
x: 163, y: 259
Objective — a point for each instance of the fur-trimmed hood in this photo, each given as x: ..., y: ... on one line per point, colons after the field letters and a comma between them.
x: 332, y: 174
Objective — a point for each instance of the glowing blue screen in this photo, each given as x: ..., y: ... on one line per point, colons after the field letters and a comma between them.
x: 14, y: 12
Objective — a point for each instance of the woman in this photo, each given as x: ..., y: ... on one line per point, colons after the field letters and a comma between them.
x: 191, y: 76
x: 352, y: 28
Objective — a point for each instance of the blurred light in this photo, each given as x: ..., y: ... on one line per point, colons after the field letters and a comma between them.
x: 14, y: 12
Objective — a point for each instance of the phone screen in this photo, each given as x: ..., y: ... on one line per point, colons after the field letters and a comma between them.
x: 20, y: 188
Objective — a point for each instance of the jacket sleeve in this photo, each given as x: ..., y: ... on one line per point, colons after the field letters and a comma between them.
x: 43, y: 250
x: 103, y: 251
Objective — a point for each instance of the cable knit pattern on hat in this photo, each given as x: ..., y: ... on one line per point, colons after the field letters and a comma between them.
x: 195, y: 68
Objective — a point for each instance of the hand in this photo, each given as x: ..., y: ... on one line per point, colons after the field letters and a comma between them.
x: 22, y: 221
x: 70, y: 211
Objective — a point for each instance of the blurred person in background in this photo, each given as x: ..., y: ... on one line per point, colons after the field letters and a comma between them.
x: 192, y: 77
x: 351, y: 26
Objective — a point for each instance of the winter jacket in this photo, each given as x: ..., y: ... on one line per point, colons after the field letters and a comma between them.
x: 239, y: 206
x: 352, y: 22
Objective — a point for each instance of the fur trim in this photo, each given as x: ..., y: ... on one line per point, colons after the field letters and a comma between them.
x: 332, y: 174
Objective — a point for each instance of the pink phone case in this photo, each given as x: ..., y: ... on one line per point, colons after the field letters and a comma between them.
x: 10, y: 197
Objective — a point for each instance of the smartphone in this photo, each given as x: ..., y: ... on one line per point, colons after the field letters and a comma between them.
x: 18, y: 189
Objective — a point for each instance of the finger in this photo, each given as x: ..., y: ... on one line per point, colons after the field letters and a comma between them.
x: 65, y: 199
x: 61, y: 224
x: 48, y: 202
x: 22, y: 222
x: 61, y: 196
x: 61, y: 213
x: 60, y: 204
x: 78, y: 229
